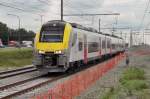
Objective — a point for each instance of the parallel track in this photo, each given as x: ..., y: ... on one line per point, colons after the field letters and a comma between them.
x: 13, y: 93
x: 4, y: 87
x: 15, y: 72
x: 21, y: 87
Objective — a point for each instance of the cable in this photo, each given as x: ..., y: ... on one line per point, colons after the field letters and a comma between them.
x: 17, y: 8
x: 44, y: 2
x: 5, y: 5
x: 67, y: 4
x: 35, y: 8
x: 143, y: 18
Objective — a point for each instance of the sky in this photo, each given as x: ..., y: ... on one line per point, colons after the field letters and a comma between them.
x: 133, y: 14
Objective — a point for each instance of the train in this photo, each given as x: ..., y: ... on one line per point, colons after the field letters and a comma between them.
x: 61, y: 46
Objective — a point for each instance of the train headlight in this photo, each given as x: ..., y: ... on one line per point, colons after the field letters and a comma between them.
x: 58, y: 52
x: 41, y: 52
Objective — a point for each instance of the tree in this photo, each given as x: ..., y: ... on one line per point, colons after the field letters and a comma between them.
x: 12, y: 34
x: 3, y: 32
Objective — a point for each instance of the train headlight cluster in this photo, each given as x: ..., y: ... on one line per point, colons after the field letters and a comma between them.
x: 41, y: 52
x: 58, y: 52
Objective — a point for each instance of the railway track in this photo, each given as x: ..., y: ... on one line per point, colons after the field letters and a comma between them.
x: 19, y: 88
x: 15, y: 72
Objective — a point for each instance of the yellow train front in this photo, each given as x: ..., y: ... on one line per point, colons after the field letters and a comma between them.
x: 51, y: 47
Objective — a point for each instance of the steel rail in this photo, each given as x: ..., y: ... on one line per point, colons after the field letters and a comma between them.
x: 32, y: 88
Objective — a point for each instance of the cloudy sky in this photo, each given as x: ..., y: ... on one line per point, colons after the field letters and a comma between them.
x: 133, y: 13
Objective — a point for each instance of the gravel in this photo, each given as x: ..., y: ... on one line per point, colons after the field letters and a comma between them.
x: 111, y: 79
x: 101, y: 86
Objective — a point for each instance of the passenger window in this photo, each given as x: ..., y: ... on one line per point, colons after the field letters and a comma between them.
x: 80, y: 46
x: 103, y: 44
x: 92, y: 47
x: 74, y: 39
x: 108, y: 43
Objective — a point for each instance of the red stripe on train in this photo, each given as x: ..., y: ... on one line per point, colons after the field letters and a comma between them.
x: 85, y: 56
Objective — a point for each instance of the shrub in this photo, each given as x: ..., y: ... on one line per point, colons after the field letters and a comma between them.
x: 133, y: 73
x: 135, y: 85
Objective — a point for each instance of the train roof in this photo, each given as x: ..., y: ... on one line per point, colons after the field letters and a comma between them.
x: 49, y: 23
x: 75, y: 25
x: 113, y: 36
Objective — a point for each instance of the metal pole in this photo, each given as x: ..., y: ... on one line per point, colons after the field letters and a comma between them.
x: 143, y: 37
x: 121, y: 35
x: 8, y: 36
x: 19, y: 35
x: 99, y: 25
x: 41, y: 19
x: 19, y: 29
x: 113, y: 30
x: 61, y: 10
x: 125, y: 37
x: 131, y: 39
x: 92, y: 20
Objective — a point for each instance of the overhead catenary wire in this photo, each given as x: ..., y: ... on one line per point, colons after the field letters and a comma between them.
x: 67, y: 5
x: 81, y: 13
x: 5, y: 5
x: 9, y: 5
x: 145, y: 12
x: 44, y: 2
x: 34, y: 8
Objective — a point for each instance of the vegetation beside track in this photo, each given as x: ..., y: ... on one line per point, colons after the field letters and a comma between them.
x: 132, y: 84
x: 15, y: 57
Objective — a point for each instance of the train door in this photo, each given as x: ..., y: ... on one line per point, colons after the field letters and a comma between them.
x: 85, y: 49
x: 100, y: 47
x: 105, y: 44
x: 110, y: 41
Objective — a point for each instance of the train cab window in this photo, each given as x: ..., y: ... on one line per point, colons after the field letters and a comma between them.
x: 52, y: 33
x: 80, y: 46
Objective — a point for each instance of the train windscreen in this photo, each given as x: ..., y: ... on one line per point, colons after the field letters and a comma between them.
x: 52, y: 33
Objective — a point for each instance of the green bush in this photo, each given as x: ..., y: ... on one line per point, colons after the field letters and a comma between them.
x: 133, y: 73
x: 133, y: 79
x: 113, y: 93
x: 131, y: 85
x: 109, y: 94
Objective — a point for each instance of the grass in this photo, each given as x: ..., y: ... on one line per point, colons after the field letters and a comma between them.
x: 132, y: 73
x: 112, y: 94
x: 13, y: 57
x: 132, y: 81
x: 135, y: 85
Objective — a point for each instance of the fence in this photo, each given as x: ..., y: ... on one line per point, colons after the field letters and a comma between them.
x: 80, y: 81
